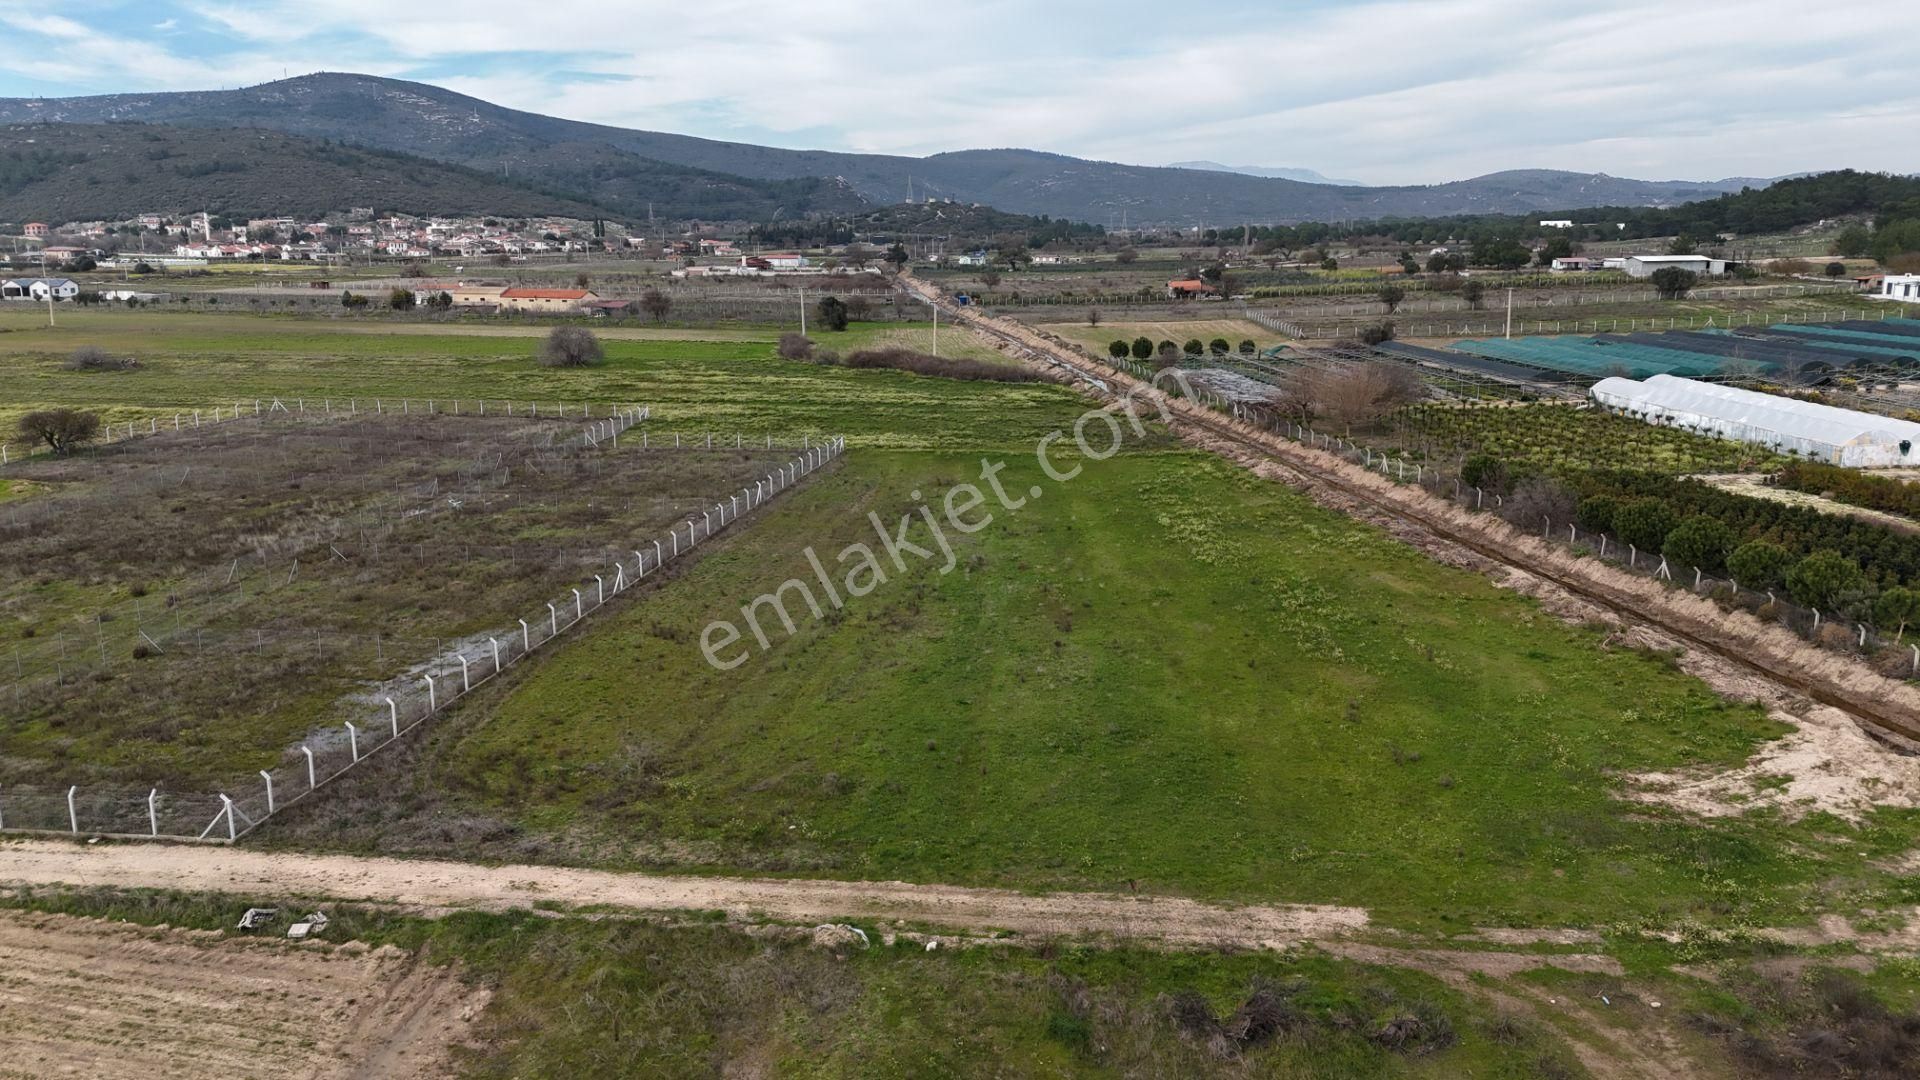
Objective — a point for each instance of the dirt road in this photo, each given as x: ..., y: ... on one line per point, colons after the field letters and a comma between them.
x: 245, y: 873
x: 83, y: 997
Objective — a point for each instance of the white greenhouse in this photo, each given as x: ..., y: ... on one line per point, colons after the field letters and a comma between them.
x: 1816, y: 432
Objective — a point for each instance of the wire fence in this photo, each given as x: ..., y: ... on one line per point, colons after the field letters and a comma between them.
x: 209, y: 612
x: 393, y: 708
x: 1496, y: 325
x: 189, y: 419
x: 1831, y: 629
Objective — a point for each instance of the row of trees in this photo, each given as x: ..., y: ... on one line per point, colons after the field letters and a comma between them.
x: 1143, y: 349
x: 1832, y: 563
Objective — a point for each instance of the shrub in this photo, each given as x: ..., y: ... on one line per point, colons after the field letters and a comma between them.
x: 571, y: 346
x: 833, y: 313
x: 1484, y: 471
x: 1699, y: 541
x: 1375, y: 333
x: 1644, y: 523
x: 61, y: 429
x: 95, y: 358
x: 1827, y: 581
x: 1759, y: 565
x: 1836, y: 269
x: 1596, y: 513
x: 1143, y: 349
x: 1673, y: 283
x: 1247, y: 347
x: 795, y: 346
x: 1899, y: 608
x: 1193, y: 347
x: 1118, y: 349
x: 1219, y: 347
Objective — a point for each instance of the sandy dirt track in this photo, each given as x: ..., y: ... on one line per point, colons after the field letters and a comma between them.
x: 84, y: 997
x: 432, y: 884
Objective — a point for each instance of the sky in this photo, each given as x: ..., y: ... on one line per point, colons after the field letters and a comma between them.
x: 1383, y: 91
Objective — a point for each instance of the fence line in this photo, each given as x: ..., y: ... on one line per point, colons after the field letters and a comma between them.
x: 1496, y: 324
x: 224, y: 588
x: 435, y: 685
x: 1808, y: 622
x: 330, y: 408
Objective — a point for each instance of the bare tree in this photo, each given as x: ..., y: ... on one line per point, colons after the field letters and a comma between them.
x: 1351, y: 393
x: 62, y: 430
x: 656, y: 304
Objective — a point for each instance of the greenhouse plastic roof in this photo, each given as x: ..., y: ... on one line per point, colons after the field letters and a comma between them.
x: 1802, y: 420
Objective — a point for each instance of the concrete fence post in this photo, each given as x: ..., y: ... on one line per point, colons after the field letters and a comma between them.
x: 601, y: 587
x: 311, y: 782
x: 496, y: 655
x: 466, y: 682
x: 73, y: 815
x: 153, y: 812
x: 553, y: 619
x: 656, y: 555
x: 1863, y: 635
x: 1816, y: 618
x: 226, y: 807
x: 433, y: 696
x: 353, y: 740
x: 393, y: 717
x: 1916, y: 658
x: 579, y: 612
x: 268, y: 777
x: 526, y: 639
x: 1633, y: 556
x: 1696, y: 579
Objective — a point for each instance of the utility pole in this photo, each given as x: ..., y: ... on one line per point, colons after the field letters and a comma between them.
x: 1509, y: 314
x: 803, y: 311
x: 46, y: 283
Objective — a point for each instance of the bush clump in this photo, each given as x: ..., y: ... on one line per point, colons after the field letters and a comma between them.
x: 795, y: 346
x: 95, y: 358
x: 571, y: 346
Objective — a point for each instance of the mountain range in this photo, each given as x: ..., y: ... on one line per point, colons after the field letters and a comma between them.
x: 1305, y: 176
x: 634, y: 172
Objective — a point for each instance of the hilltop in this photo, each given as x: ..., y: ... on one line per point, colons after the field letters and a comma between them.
x: 629, y: 168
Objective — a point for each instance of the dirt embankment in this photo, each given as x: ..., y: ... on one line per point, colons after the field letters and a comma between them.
x: 83, y: 997
x: 430, y: 884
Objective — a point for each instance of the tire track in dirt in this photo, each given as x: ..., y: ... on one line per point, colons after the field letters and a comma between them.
x: 86, y: 997
x: 1166, y: 920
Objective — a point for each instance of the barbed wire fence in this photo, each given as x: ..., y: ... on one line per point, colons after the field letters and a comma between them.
x: 396, y: 707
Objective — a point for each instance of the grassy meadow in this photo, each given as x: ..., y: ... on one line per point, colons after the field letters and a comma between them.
x: 725, y: 380
x: 1163, y: 674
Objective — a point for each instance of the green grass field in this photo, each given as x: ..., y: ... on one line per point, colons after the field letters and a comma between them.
x: 726, y: 383
x: 1163, y: 673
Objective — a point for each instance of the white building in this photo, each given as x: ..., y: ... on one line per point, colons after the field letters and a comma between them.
x: 1573, y: 262
x: 1898, y: 287
x: 1644, y: 265
x: 38, y: 289
x: 1816, y: 432
x: 1556, y: 223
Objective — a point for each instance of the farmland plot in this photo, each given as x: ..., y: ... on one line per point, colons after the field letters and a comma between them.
x: 178, y: 608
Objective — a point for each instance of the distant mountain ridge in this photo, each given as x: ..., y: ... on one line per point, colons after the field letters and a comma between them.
x: 81, y: 172
x: 625, y: 168
x: 1305, y: 176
